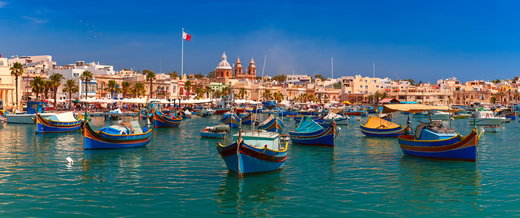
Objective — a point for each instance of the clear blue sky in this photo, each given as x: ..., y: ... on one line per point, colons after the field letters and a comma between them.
x: 418, y: 39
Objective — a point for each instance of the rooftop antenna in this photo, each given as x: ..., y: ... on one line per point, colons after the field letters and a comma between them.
x: 332, y: 67
x: 265, y: 59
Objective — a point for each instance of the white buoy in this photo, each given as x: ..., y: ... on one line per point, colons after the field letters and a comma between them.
x: 70, y: 160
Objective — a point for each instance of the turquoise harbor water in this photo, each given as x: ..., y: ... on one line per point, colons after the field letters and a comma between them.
x: 181, y: 174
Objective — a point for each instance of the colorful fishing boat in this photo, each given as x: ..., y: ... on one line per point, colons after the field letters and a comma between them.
x: 231, y: 119
x: 311, y: 133
x: 377, y: 127
x: 511, y: 116
x: 272, y: 124
x: 254, y: 152
x: 433, y: 140
x: 185, y: 114
x: 218, y: 132
x: 340, y: 120
x: 247, y: 118
x: 438, y: 142
x: 65, y: 122
x: 125, y: 135
x: 207, y: 112
x: 161, y: 120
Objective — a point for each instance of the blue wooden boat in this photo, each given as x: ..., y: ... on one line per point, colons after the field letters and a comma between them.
x: 65, y: 122
x: 272, y: 124
x: 311, y: 133
x: 127, y: 135
x: 218, y: 132
x: 438, y: 142
x: 377, y: 127
x: 247, y: 118
x: 161, y: 120
x: 511, y: 116
x: 254, y: 152
x: 185, y: 114
x: 231, y: 119
x: 287, y: 113
x: 269, y: 104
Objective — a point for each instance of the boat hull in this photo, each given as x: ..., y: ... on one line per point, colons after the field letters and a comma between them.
x: 251, y: 160
x: 232, y: 120
x: 25, y: 118
x: 385, y: 133
x: 160, y: 121
x: 275, y: 125
x: 213, y: 135
x: 323, y: 137
x: 455, y: 148
x: 486, y: 121
x: 46, y: 126
x: 96, y: 140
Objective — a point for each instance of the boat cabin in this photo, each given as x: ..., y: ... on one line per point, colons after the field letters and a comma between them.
x: 433, y: 131
x: 34, y: 107
x: 261, y: 139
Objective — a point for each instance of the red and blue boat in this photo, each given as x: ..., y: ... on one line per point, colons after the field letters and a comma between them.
x: 125, y: 135
x: 377, y: 127
x: 65, y: 122
x: 185, y: 114
x: 272, y: 124
x: 231, y: 119
x: 161, y: 120
x: 311, y: 133
x: 247, y: 118
x: 254, y: 152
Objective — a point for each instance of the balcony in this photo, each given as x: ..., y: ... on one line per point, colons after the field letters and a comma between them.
x: 7, y: 86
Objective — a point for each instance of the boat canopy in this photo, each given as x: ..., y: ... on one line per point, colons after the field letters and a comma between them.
x: 63, y: 117
x: 389, y: 108
x: 378, y: 123
x: 308, y: 125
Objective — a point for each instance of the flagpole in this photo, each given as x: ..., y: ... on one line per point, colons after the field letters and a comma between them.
x: 182, y: 53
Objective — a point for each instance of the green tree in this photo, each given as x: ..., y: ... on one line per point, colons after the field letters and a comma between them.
x: 212, y: 74
x: 267, y: 94
x: 16, y: 71
x: 112, y: 87
x: 207, y: 90
x: 242, y: 93
x: 199, y: 76
x: 86, y: 76
x: 150, y: 77
x: 280, y: 78
x: 337, y: 85
x: 37, y: 86
x: 198, y: 92
x: 319, y: 76
x: 55, y: 79
x: 138, y: 90
x: 125, y: 88
x: 47, y: 86
x: 188, y: 87
x: 70, y: 87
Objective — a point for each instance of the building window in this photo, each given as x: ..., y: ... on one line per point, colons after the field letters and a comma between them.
x: 366, y: 87
x: 361, y: 86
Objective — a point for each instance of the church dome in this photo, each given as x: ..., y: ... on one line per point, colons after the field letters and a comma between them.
x: 252, y: 63
x: 224, y: 64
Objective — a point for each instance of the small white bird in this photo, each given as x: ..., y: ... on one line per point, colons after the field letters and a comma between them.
x: 70, y: 160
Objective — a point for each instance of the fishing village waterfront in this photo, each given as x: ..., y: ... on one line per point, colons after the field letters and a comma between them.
x: 259, y: 109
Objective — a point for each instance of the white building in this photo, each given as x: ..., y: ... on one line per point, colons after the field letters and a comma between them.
x: 297, y: 79
x: 74, y: 71
x: 34, y: 64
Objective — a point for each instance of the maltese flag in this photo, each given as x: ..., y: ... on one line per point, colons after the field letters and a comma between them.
x: 186, y: 36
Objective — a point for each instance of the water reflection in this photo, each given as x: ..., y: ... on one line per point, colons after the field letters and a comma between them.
x: 123, y: 162
x: 254, y: 195
x: 432, y: 186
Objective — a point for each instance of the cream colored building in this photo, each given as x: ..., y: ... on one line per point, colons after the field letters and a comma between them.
x: 7, y: 86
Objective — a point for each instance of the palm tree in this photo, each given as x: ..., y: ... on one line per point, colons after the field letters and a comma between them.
x: 55, y: 79
x: 509, y: 92
x: 516, y: 95
x: 312, y: 98
x: 16, y: 71
x: 86, y: 76
x: 37, y: 86
x: 150, y: 76
x: 188, y: 87
x: 501, y: 95
x: 450, y: 101
x: 226, y: 90
x: 242, y: 92
x: 125, y: 87
x: 138, y: 90
x: 112, y: 87
x: 207, y: 90
x: 70, y: 87
x: 319, y: 97
x: 199, y: 92
x: 267, y: 94
x: 47, y: 85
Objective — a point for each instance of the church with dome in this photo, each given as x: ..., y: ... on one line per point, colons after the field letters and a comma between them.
x: 224, y: 70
